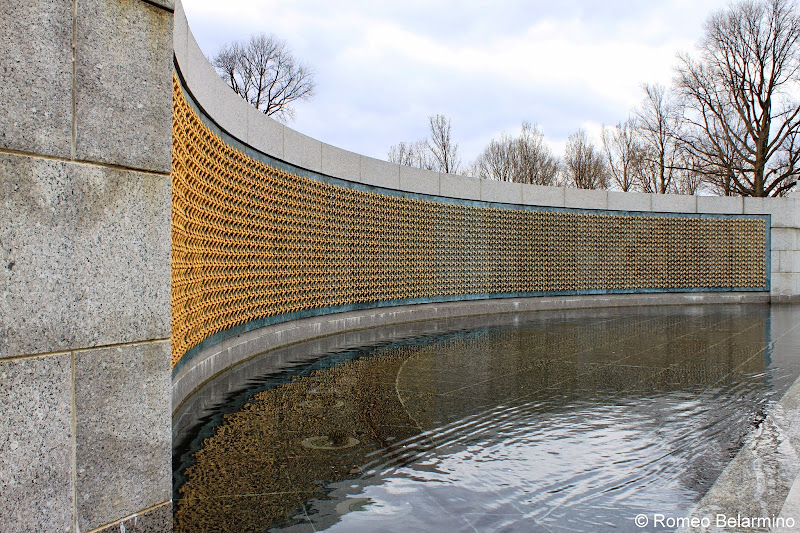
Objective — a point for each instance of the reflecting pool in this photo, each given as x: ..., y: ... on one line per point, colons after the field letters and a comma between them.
x: 558, y: 421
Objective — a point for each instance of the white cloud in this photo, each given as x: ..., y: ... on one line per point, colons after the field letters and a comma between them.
x: 383, y: 67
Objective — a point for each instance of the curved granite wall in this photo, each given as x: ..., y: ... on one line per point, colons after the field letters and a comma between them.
x: 271, y: 226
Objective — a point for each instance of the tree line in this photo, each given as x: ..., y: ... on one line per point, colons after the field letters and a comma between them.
x: 729, y: 124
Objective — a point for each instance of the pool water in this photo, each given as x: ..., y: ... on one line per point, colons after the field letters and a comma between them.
x: 561, y: 421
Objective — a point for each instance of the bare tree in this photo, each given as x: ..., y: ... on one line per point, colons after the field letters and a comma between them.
x: 658, y: 123
x: 584, y: 166
x: 412, y: 154
x: 523, y: 159
x: 438, y: 152
x: 443, y: 149
x: 745, y: 122
x: 265, y: 73
x: 718, y: 174
x: 534, y: 160
x: 496, y: 162
x: 624, y: 153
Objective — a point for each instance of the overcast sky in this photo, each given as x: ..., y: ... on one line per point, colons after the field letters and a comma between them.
x: 383, y: 67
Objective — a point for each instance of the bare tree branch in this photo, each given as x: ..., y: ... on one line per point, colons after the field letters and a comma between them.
x: 584, y: 166
x: 658, y: 123
x: 443, y: 149
x: 742, y: 117
x: 625, y: 155
x: 265, y: 73
x: 412, y: 154
x: 438, y: 152
x: 523, y: 159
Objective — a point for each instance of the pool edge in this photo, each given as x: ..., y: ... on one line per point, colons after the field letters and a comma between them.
x: 218, y: 358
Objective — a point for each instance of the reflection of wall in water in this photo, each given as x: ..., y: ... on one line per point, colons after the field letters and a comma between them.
x: 393, y: 395
x: 250, y: 451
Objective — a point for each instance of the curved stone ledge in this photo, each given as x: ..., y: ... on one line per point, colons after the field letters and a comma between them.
x: 230, y: 352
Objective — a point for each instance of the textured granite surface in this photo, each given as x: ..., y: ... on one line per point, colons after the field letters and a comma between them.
x: 36, y: 76
x: 123, y: 431
x: 84, y: 255
x: 123, y: 84
x: 36, y: 444
x: 155, y: 520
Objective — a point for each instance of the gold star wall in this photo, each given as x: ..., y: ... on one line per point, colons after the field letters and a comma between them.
x: 251, y: 241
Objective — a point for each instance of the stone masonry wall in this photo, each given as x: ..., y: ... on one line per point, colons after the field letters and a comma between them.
x: 85, y: 152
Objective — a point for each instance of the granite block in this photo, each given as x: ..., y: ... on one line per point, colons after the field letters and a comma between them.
x: 789, y: 261
x: 757, y: 205
x: 36, y: 255
x: 123, y: 84
x: 180, y: 34
x: 585, y: 198
x: 732, y: 205
x: 628, y: 201
x: 230, y: 111
x: 380, y: 173
x: 454, y: 186
x: 419, y: 180
x: 36, y: 76
x: 302, y: 150
x: 674, y: 203
x: 156, y: 520
x: 544, y: 196
x: 121, y: 278
x: 200, y: 78
x: 36, y: 444
x: 785, y: 283
x: 264, y: 133
x: 123, y: 431
x: 785, y: 212
x: 785, y: 238
x: 340, y: 163
x: 501, y: 191
x: 84, y: 252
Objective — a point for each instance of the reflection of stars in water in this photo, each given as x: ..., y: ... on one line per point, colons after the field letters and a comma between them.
x: 327, y: 442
